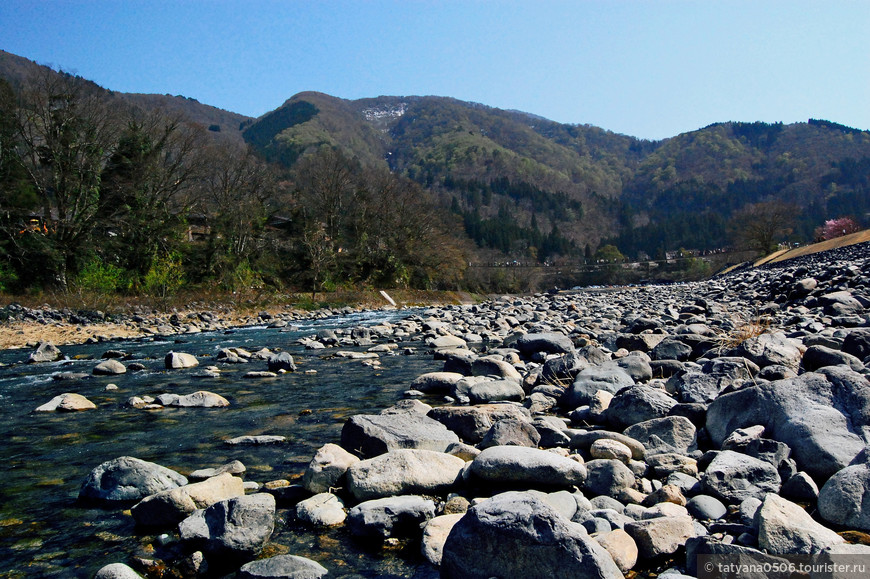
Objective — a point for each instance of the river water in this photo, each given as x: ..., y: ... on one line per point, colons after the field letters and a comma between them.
x: 45, y: 531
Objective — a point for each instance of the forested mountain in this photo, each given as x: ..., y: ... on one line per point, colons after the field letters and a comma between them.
x: 388, y: 189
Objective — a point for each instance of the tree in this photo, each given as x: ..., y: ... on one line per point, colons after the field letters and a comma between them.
x: 66, y: 133
x: 761, y: 225
x: 837, y: 228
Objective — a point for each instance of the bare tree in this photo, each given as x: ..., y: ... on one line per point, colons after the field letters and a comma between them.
x: 762, y: 225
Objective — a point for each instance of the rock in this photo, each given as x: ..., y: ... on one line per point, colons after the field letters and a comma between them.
x: 621, y: 547
x: 256, y: 440
x: 199, y: 399
x: 608, y: 477
x: 45, y: 352
x: 436, y: 382
x: 857, y: 343
x: 819, y: 415
x: 117, y: 571
x: 517, y: 465
x: 281, y: 361
x: 487, y: 366
x: 283, y: 566
x: 175, y: 360
x: 472, y: 423
x: 784, y: 528
x: 487, y: 391
x: 800, y: 487
x: 549, y: 342
x: 706, y: 508
x: 611, y: 379
x: 770, y: 349
x: 387, y: 517
x: 667, y: 463
x: 845, y: 497
x: 234, y: 467
x: 666, y: 494
x: 253, y: 374
x: 404, y: 471
x: 446, y: 342
x: 610, y: 449
x: 670, y: 434
x: 109, y: 368
x: 128, y: 479
x: 435, y: 535
x: 820, y: 356
x: 585, y: 440
x: 660, y: 535
x: 321, y: 510
x: 732, y: 477
x: 327, y: 469
x: 66, y: 402
x: 171, y: 506
x: 638, y: 404
x: 374, y: 434
x: 513, y: 432
x: 840, y: 303
x: 235, y: 529
x: 541, y: 543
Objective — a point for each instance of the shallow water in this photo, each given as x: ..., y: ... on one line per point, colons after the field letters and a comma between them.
x: 46, y: 532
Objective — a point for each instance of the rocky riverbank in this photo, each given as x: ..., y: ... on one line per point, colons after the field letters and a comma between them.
x: 587, y: 434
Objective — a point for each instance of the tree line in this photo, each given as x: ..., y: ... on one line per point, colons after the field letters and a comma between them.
x: 96, y: 193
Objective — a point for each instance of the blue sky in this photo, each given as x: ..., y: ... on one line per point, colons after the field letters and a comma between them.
x: 651, y: 69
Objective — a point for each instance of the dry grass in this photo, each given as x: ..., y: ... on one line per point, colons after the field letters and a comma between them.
x: 743, y: 328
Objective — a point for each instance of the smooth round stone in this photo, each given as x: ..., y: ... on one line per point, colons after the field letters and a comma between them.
x: 610, y: 449
x: 705, y: 507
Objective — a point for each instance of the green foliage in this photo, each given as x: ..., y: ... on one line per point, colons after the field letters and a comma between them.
x: 241, y: 278
x: 100, y: 278
x: 165, y: 276
x: 8, y: 278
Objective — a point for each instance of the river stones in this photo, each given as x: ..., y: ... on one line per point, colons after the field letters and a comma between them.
x: 380, y: 519
x: 404, y: 471
x: 235, y: 529
x: 66, y: 402
x: 128, y: 479
x: 608, y: 477
x: 234, y: 467
x: 660, y: 535
x: 770, y: 349
x: 638, y: 404
x: 436, y: 382
x: 45, y: 352
x: 176, y: 360
x: 321, y: 510
x: 784, y: 528
x: 109, y: 367
x: 171, y: 506
x: 548, y: 342
x: 845, y: 497
x: 290, y: 566
x: 116, y: 571
x: 199, y: 399
x: 516, y: 534
x: 435, y: 534
x: 611, y: 379
x: 733, y: 477
x: 669, y: 434
x: 327, y: 468
x: 369, y: 435
x: 516, y: 465
x: 511, y: 432
x: 472, y: 423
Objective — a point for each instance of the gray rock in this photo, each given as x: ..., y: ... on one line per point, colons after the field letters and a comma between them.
x: 857, y: 343
x: 374, y: 434
x: 234, y: 467
x: 660, y: 535
x: 236, y: 529
x: 200, y: 399
x: 487, y: 366
x: 45, y: 352
x: 770, y: 349
x: 117, y: 571
x: 549, y: 342
x: 517, y: 465
x: 638, y: 404
x: 671, y: 348
x: 840, y: 303
x: 784, y: 528
x: 670, y: 434
x: 256, y: 440
x: 435, y: 534
x: 732, y: 477
x: 487, y: 391
x: 819, y: 415
x: 128, y: 479
x: 800, y: 487
x: 404, y: 471
x: 511, y: 431
x: 611, y: 379
x: 436, y: 382
x: 820, y: 356
x: 608, y: 477
x: 706, y: 508
x: 845, y: 497
x: 281, y: 361
x: 66, y: 402
x: 327, y: 468
x: 472, y: 423
x: 540, y: 542
x: 321, y: 510
x: 175, y: 360
x: 109, y: 368
x: 584, y: 441
x: 283, y: 566
x: 171, y: 506
x: 390, y: 517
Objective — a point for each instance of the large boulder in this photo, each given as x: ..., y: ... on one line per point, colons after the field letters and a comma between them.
x: 321, y: 510
x: 664, y: 435
x: 404, y: 471
x: 128, y: 479
x: 281, y: 361
x: 549, y: 342
x: 327, y: 468
x: 472, y: 423
x: 511, y: 431
x: 518, y: 535
x: 608, y: 477
x: 236, y: 529
x: 109, y: 367
x: 487, y: 391
x: 66, y: 402
x: 387, y: 517
x: 369, y: 435
x: 435, y: 534
x: 176, y: 360
x: 171, y: 506
x: 733, y: 477
x: 820, y: 415
x: 638, y: 404
x: 769, y: 350
x: 533, y: 467
x: 611, y: 379
x: 45, y: 352
x: 784, y: 528
x: 845, y: 497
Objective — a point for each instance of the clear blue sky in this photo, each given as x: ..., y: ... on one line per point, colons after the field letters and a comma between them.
x: 651, y: 69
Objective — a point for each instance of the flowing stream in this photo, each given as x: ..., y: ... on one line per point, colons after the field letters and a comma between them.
x: 45, y: 531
